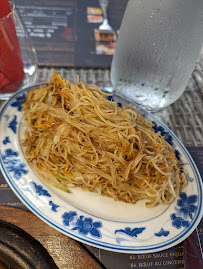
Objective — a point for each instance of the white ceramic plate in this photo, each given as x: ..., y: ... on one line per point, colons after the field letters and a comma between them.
x: 93, y: 219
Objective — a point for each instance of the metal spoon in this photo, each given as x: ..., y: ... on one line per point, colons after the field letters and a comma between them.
x: 105, y: 27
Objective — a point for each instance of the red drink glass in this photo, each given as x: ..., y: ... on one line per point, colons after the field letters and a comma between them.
x: 18, y: 60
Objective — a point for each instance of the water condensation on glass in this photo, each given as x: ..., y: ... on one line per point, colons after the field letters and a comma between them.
x: 158, y: 45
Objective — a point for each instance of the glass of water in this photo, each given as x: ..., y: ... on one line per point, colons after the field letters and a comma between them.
x: 18, y: 59
x: 158, y: 45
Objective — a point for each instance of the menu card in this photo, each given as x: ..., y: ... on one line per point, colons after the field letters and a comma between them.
x: 65, y: 33
x: 172, y: 258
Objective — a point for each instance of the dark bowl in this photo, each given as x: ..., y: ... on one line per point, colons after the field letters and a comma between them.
x: 19, y: 250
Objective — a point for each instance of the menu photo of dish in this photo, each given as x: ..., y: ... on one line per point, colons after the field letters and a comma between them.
x: 105, y: 43
x: 94, y: 15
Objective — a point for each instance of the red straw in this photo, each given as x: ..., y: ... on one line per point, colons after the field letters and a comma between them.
x: 11, y: 65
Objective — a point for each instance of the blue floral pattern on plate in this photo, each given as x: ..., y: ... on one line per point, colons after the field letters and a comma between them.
x: 53, y: 206
x: 83, y: 225
x: 186, y: 204
x: 131, y: 232
x: 162, y: 233
x: 86, y: 225
x: 104, y: 229
x: 184, y: 211
x: 68, y: 217
x: 6, y: 140
x: 179, y: 222
x: 13, y: 124
x: 40, y: 190
x: 167, y: 136
x: 19, y: 102
x: 14, y: 164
